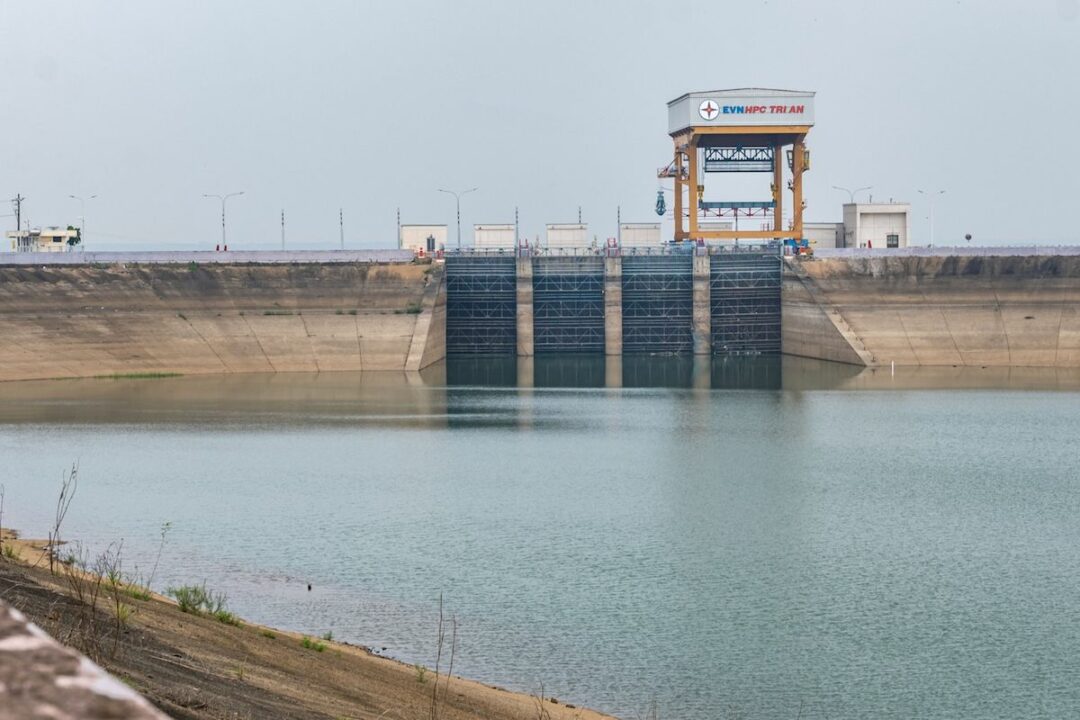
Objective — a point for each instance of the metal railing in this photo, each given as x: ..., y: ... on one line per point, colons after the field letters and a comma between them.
x: 951, y: 251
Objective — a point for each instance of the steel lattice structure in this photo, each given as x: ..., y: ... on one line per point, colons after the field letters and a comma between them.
x: 657, y: 303
x: 568, y: 305
x: 481, y: 305
x: 744, y: 290
x: 739, y: 159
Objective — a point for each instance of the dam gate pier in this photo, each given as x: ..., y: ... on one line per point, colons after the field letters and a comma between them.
x: 672, y: 303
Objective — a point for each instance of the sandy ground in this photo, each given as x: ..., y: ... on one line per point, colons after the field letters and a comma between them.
x: 196, y: 667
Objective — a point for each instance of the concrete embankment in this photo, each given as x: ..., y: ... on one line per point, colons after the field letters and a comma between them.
x: 977, y: 310
x: 94, y: 319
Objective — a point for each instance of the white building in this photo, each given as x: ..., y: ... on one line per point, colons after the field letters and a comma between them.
x: 52, y: 239
x: 639, y: 235
x: 494, y: 237
x: 824, y: 235
x: 568, y: 236
x: 422, y: 239
x: 877, y: 225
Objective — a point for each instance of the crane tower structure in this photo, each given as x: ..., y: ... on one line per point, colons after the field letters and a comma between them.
x: 740, y: 130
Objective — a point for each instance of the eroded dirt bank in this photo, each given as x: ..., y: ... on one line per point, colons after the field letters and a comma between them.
x: 196, y: 668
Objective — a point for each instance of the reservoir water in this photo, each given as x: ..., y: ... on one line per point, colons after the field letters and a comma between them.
x: 756, y: 539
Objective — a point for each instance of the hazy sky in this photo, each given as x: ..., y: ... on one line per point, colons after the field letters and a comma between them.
x: 546, y: 105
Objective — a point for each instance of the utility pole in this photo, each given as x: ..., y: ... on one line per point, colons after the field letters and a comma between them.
x: 931, y: 196
x: 852, y: 193
x: 283, y: 228
x: 223, y: 198
x: 457, y: 200
x: 17, y: 201
x: 82, y: 218
x: 341, y: 226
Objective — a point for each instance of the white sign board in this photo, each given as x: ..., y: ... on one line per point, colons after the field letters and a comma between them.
x: 748, y: 107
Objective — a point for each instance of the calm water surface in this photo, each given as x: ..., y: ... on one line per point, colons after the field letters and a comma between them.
x: 731, y: 540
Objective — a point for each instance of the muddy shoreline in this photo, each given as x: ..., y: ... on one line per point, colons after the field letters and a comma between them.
x: 195, y: 667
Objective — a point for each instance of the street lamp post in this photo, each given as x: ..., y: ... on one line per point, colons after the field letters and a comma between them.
x: 82, y: 219
x: 223, y: 198
x: 931, y: 196
x: 852, y: 193
x: 457, y: 201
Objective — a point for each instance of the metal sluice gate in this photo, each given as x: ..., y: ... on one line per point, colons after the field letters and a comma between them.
x: 481, y: 305
x: 657, y: 304
x: 568, y: 304
x: 744, y: 303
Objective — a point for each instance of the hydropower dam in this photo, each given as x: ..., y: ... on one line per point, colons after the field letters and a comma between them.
x: 93, y: 314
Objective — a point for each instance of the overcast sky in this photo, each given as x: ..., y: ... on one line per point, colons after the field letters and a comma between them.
x: 546, y: 105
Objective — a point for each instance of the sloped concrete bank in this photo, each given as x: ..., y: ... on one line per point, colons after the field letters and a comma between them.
x: 956, y: 310
x: 104, y: 319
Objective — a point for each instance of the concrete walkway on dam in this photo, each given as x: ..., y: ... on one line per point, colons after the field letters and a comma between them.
x: 986, y: 307
x: 183, y: 257
x: 191, y: 317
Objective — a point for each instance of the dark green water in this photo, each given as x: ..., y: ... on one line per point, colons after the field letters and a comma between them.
x: 739, y: 539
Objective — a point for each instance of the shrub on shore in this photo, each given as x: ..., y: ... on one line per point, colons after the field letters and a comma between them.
x: 197, y: 600
x: 310, y: 644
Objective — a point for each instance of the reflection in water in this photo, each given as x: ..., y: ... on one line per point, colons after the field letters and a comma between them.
x: 427, y: 399
x: 630, y: 371
x: 765, y: 372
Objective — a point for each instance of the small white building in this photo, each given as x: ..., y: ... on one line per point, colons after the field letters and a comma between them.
x: 494, y: 237
x: 877, y: 225
x: 639, y: 235
x: 422, y: 239
x: 52, y: 239
x: 824, y: 235
x: 568, y: 236
x: 719, y: 225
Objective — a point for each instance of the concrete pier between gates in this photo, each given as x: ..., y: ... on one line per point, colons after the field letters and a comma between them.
x: 702, y: 318
x: 613, y: 306
x: 524, y: 272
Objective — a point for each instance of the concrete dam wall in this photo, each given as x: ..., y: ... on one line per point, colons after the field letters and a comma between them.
x: 104, y: 319
x: 955, y: 310
x: 340, y: 312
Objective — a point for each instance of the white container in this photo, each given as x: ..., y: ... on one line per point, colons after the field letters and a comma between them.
x: 493, y: 237
x: 639, y: 235
x: 568, y: 236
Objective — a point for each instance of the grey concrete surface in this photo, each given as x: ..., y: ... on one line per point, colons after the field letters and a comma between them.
x: 613, y: 306
x: 202, y: 257
x: 525, y: 347
x: 40, y: 678
x: 957, y: 251
x: 702, y: 319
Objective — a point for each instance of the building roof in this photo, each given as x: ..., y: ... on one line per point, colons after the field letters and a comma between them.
x: 47, y: 232
x: 882, y: 207
x: 745, y: 92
